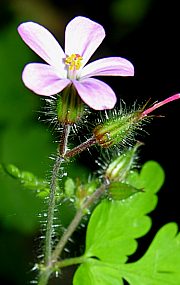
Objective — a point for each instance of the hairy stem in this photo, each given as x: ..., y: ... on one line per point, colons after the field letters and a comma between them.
x: 51, y: 205
x: 75, y: 222
x: 44, y: 276
x: 64, y: 140
x: 52, y: 257
x: 76, y: 150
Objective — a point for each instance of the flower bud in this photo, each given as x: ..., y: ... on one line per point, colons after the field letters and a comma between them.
x: 117, y: 130
x: 84, y: 190
x: 120, y: 167
x: 70, y: 107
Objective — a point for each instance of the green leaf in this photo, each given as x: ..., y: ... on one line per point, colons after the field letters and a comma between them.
x: 151, y: 177
x: 161, y: 263
x: 28, y: 180
x: 159, y: 266
x: 95, y: 272
x: 114, y: 227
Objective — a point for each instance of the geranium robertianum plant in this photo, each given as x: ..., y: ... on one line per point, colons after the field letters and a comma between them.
x: 120, y: 197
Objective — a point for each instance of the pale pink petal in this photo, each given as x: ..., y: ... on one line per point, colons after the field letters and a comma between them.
x: 111, y: 66
x: 42, y: 42
x: 83, y: 36
x: 43, y: 79
x: 95, y: 93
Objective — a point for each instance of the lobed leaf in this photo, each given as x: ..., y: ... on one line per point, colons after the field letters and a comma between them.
x: 161, y: 263
x: 114, y: 227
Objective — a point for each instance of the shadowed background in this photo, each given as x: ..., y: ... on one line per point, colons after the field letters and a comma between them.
x: 144, y: 31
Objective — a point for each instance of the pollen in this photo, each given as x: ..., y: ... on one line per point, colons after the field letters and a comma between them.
x: 74, y: 61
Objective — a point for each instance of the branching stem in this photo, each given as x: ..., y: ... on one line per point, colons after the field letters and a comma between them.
x: 75, y: 222
x: 51, y: 258
x: 76, y: 150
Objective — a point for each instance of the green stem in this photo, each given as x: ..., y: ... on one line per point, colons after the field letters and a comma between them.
x: 53, y: 186
x: 51, y: 206
x: 44, y: 276
x: 75, y: 222
x: 51, y: 257
x: 70, y: 261
x: 67, y: 234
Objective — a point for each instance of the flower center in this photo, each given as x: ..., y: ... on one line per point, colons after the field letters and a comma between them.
x: 74, y: 61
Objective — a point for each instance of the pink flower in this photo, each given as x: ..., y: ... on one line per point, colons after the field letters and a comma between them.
x: 159, y: 104
x: 82, y: 38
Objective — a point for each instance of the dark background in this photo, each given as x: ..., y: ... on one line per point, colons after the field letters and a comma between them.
x: 144, y: 31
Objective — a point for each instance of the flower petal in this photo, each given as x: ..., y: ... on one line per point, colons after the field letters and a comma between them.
x: 42, y: 42
x: 43, y: 79
x: 83, y: 36
x: 95, y: 93
x: 110, y: 66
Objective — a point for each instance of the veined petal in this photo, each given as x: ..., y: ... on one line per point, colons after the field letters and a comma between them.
x: 42, y: 42
x: 83, y: 36
x: 43, y: 79
x: 95, y: 93
x: 110, y: 66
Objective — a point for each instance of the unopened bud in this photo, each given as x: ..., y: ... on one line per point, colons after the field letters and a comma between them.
x: 84, y: 190
x: 117, y: 130
x: 120, y: 167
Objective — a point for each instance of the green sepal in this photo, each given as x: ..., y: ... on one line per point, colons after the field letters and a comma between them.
x: 119, y: 190
x: 70, y: 107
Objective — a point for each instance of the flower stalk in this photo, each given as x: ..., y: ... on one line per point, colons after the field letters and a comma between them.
x: 51, y: 205
x: 76, y: 150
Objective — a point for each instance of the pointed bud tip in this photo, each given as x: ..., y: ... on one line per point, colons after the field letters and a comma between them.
x: 159, y: 104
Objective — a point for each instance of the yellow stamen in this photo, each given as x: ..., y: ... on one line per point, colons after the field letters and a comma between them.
x: 74, y: 61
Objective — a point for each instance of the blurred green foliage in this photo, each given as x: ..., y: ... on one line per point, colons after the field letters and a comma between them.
x: 24, y: 141
x: 27, y: 143
x: 130, y: 12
